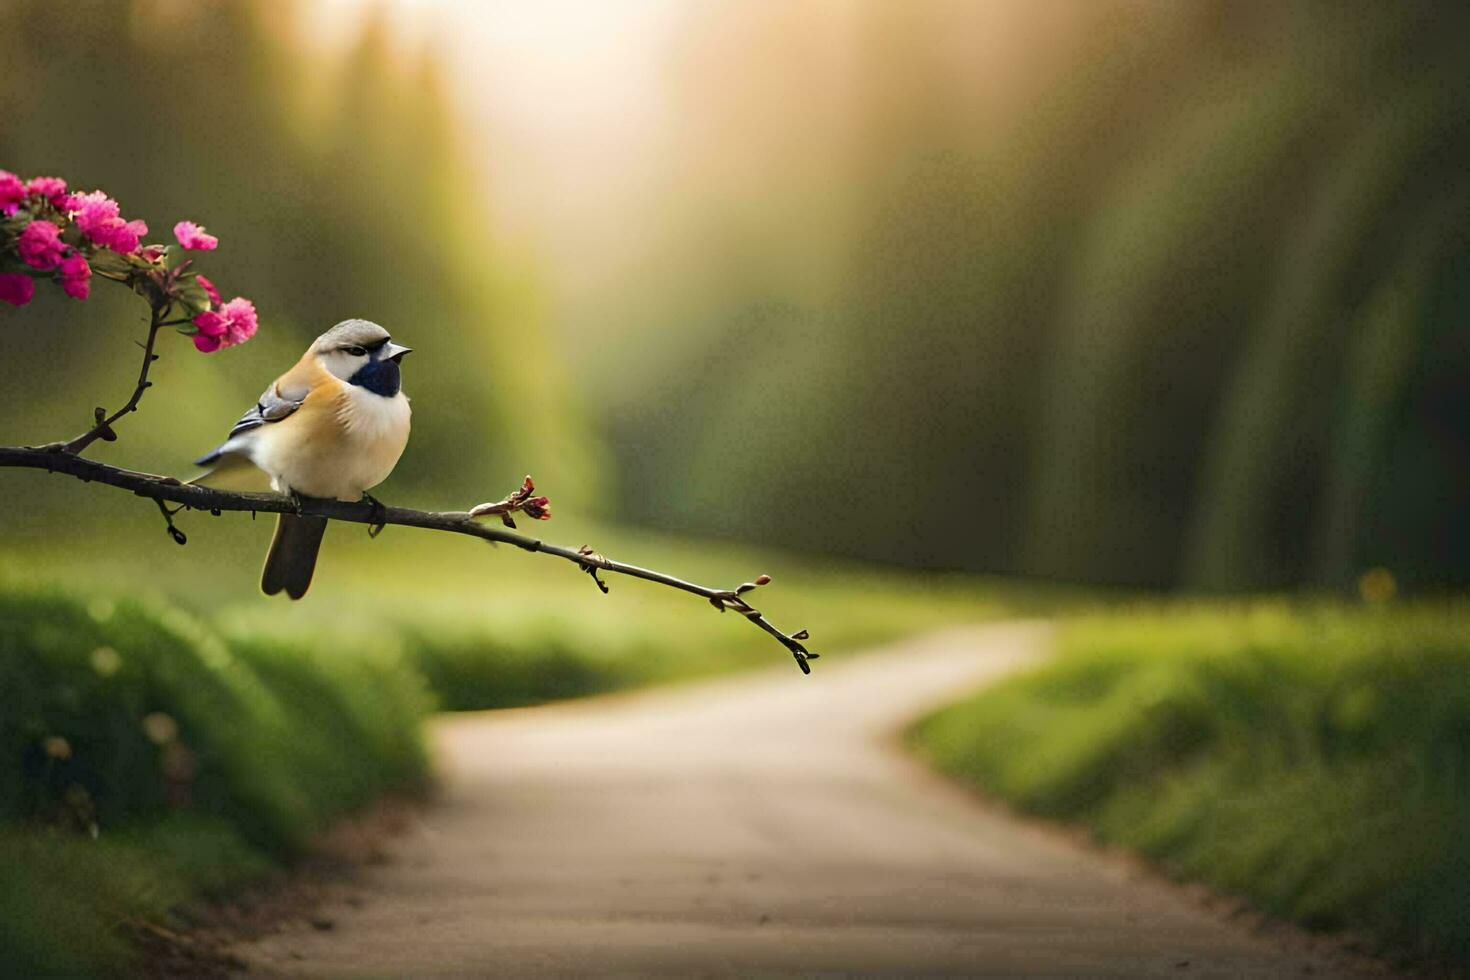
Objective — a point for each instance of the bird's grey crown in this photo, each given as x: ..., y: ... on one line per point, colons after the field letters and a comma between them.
x: 350, y: 333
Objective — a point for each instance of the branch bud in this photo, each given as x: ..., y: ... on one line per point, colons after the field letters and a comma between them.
x: 536, y: 508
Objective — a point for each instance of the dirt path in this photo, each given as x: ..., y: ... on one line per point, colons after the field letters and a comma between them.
x: 762, y: 824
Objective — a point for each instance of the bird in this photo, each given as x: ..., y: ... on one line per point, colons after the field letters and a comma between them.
x: 332, y: 427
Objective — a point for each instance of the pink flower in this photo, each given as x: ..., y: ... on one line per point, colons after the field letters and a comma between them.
x: 16, y: 289
x: 234, y: 323
x: 39, y: 245
x: 210, y: 324
x: 125, y: 238
x: 210, y: 337
x: 209, y: 290
x: 152, y: 253
x: 95, y: 211
x: 76, y: 276
x: 52, y: 189
x: 98, y: 218
x: 240, y: 320
x: 12, y: 193
x: 192, y: 236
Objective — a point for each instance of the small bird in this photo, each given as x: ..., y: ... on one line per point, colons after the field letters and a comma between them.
x: 333, y: 426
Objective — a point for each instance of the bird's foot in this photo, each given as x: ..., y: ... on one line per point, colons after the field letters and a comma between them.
x: 378, y: 521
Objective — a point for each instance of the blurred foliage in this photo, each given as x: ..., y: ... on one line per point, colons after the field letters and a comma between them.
x: 71, y: 906
x: 1313, y: 759
x: 496, y: 627
x: 338, y: 188
x: 118, y: 712
x: 1165, y: 294
x: 144, y: 762
x: 1156, y: 294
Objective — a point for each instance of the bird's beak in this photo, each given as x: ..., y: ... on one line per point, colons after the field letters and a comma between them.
x: 395, y: 352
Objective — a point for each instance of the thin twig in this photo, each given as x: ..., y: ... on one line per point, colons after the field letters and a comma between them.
x: 103, y: 428
x: 165, y: 488
x: 168, y: 519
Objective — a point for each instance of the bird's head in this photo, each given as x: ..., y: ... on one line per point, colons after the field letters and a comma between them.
x: 361, y: 353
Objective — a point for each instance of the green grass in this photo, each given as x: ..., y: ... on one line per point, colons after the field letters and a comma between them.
x: 493, y: 626
x: 66, y: 900
x: 146, y: 761
x: 1314, y: 759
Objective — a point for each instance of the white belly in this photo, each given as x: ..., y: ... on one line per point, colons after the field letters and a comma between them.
x: 340, y: 455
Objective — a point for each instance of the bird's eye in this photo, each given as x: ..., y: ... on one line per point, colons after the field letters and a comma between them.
x: 355, y: 351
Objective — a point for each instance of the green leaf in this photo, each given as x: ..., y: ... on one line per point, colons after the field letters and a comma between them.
x: 191, y: 295
x: 13, y: 264
x: 12, y: 225
x: 106, y: 261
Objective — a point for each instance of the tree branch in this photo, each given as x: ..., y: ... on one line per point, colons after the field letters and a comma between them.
x: 165, y: 489
x: 103, y: 428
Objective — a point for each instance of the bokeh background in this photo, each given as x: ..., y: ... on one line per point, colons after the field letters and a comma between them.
x: 935, y: 310
x: 1153, y: 294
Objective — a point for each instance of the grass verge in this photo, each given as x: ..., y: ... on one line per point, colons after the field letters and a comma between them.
x: 145, y: 761
x: 1313, y: 759
x: 494, y: 627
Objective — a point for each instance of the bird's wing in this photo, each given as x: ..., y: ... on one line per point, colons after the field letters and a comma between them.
x: 270, y: 407
x: 273, y: 405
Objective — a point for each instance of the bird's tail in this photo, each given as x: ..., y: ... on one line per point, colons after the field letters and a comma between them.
x: 292, y: 558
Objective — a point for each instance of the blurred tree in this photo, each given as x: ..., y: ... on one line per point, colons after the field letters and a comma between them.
x: 1127, y: 292
x: 1396, y: 164
x: 1135, y: 292
x: 338, y: 188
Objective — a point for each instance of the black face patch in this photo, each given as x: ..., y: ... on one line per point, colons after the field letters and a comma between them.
x: 379, y: 377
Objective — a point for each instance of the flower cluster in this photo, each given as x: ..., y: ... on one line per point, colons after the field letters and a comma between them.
x: 50, y: 233
x: 99, y: 218
x: 223, y: 324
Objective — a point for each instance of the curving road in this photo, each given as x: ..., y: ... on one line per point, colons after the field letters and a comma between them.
x: 758, y: 825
